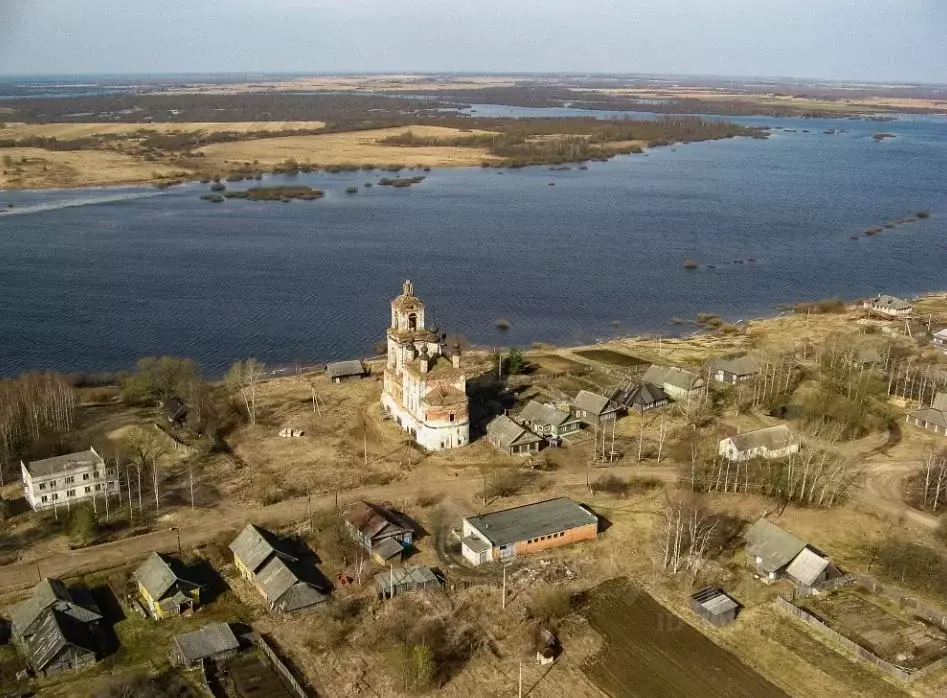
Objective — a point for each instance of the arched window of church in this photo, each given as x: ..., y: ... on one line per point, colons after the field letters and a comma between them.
x: 452, y: 416
x: 412, y: 322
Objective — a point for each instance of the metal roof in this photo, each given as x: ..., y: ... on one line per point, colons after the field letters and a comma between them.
x: 891, y: 302
x: 57, y: 630
x: 738, y: 366
x: 60, y: 465
x: 541, y: 413
x: 159, y: 573
x: 775, y: 547
x: 374, y: 521
x: 807, y: 566
x: 587, y: 401
x: 254, y: 545
x: 532, y: 521
x: 940, y: 402
x: 508, y: 433
x: 671, y: 375
x: 284, y: 589
x: 715, y: 600
x: 209, y: 641
x: 387, y: 549
x: 930, y: 416
x: 342, y: 369
x: 772, y: 438
x: 406, y: 576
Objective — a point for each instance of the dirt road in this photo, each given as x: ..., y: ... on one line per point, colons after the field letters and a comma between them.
x: 883, y: 490
x: 21, y: 575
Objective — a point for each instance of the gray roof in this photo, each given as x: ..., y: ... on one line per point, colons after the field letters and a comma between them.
x: 59, y: 465
x: 532, y: 521
x: 47, y: 594
x: 387, y: 549
x: 671, y: 375
x: 593, y: 403
x: 772, y: 438
x: 343, y: 369
x: 642, y: 394
x: 254, y: 545
x: 715, y: 600
x: 207, y: 642
x: 54, y: 632
x: 776, y: 547
x: 405, y: 576
x: 541, y: 413
x: 284, y: 589
x: 507, y: 432
x: 941, y: 334
x: 738, y: 366
x: 940, y: 402
x: 375, y: 521
x: 807, y: 566
x: 891, y: 302
x: 930, y: 416
x: 159, y: 573
x: 475, y: 544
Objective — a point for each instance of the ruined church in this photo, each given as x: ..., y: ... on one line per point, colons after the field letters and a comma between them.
x: 425, y: 390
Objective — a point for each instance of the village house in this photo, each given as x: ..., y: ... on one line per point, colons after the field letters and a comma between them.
x: 640, y: 397
x: 345, y: 370
x: 258, y: 560
x: 776, y: 554
x: 715, y: 606
x: 425, y: 391
x: 215, y: 642
x: 511, y: 438
x: 594, y: 409
x: 939, y: 340
x: 174, y: 411
x: 165, y: 589
x: 889, y: 306
x: 733, y: 370
x: 67, y: 479
x: 680, y: 385
x: 933, y: 418
x: 769, y: 442
x: 546, y: 420
x: 527, y: 529
x: 57, y: 629
x: 399, y: 580
x: 383, y: 533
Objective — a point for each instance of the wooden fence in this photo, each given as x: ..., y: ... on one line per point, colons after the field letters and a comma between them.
x: 801, y: 591
x: 281, y: 667
x: 858, y: 650
x: 936, y: 616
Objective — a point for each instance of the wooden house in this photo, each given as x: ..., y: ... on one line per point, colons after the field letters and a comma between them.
x: 399, y: 580
x: 640, y: 397
x: 733, y: 370
x: 379, y: 529
x: 776, y: 553
x: 526, y: 529
x: 889, y: 306
x: 594, y: 409
x: 933, y: 418
x: 511, y: 438
x: 679, y: 384
x: 546, y: 420
x: 165, y: 589
x: 769, y: 443
x: 345, y: 370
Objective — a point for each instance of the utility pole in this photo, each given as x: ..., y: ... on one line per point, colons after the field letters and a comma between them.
x: 39, y: 575
x: 521, y: 680
x: 178, y: 531
x: 503, y: 606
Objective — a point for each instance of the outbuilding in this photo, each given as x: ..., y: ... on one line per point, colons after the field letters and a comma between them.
x: 738, y: 369
x: 679, y: 384
x: 344, y: 370
x: 216, y: 642
x: 715, y: 606
x: 399, y: 580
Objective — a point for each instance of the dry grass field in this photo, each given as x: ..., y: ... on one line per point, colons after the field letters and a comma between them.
x: 355, y: 147
x: 67, y: 132
x: 77, y: 168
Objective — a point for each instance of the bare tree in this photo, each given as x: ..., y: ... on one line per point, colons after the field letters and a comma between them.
x: 684, y: 533
x: 244, y: 377
x: 144, y: 449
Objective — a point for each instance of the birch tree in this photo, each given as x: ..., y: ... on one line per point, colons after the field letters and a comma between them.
x: 244, y: 378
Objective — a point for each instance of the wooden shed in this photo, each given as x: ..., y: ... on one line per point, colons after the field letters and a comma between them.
x: 715, y: 606
x: 398, y: 580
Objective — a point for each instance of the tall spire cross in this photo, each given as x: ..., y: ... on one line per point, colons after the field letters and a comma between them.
x: 408, y: 288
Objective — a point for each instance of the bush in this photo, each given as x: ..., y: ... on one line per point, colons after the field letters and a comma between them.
x: 81, y: 525
x: 411, y: 667
x: 822, y: 307
x: 611, y: 484
x: 503, y: 483
x: 514, y: 363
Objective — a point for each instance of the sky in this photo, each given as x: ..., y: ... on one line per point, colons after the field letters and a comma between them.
x: 865, y: 40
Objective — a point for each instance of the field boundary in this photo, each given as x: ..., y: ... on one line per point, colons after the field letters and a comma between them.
x: 277, y: 663
x: 899, y: 672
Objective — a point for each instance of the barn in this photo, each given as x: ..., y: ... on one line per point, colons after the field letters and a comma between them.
x: 715, y: 606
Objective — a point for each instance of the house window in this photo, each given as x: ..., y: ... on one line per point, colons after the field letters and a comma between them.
x: 88, y: 488
x: 86, y: 476
x: 70, y: 493
x: 44, y: 498
x: 42, y: 485
x: 111, y: 472
x: 98, y: 487
x: 55, y: 497
x: 52, y: 483
x: 71, y: 479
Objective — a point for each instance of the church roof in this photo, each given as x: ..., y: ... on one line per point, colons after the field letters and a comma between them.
x: 407, y: 300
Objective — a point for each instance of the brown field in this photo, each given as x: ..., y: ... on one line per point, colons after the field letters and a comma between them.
x: 879, y: 626
x: 612, y: 357
x: 78, y: 168
x: 67, y: 132
x: 355, y: 147
x: 651, y: 652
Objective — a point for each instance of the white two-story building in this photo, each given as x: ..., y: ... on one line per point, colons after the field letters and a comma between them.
x: 68, y: 479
